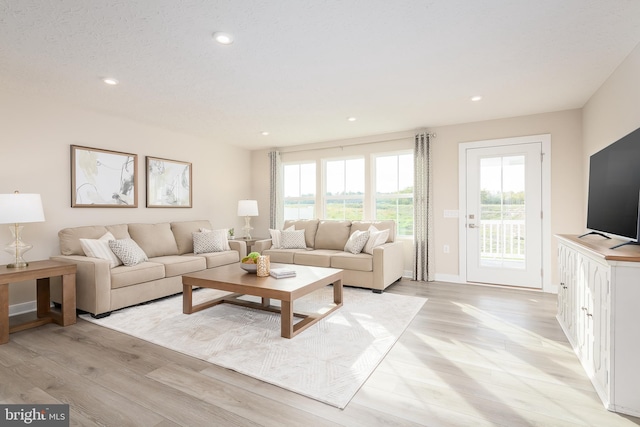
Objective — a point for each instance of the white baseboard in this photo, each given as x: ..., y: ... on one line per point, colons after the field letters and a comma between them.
x: 25, y: 307
x: 453, y: 278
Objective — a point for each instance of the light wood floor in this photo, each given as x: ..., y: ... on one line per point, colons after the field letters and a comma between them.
x: 474, y: 356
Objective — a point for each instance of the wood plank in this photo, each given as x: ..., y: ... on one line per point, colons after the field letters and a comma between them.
x: 265, y: 411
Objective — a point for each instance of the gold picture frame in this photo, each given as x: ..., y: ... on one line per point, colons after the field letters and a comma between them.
x: 103, y: 178
x: 168, y: 183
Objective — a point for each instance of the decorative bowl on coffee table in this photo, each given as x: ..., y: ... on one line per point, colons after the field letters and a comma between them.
x: 251, y: 268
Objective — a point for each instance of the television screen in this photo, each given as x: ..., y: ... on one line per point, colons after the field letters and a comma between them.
x: 614, y: 188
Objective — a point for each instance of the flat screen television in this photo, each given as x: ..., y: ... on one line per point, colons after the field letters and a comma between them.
x: 614, y: 189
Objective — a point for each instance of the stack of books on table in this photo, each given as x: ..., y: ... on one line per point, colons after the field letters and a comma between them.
x: 282, y: 272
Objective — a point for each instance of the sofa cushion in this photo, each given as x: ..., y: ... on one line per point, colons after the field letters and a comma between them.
x: 182, y: 233
x: 315, y: 258
x: 70, y: 238
x: 380, y: 225
x: 293, y: 239
x: 128, y: 251
x: 177, y: 265
x: 310, y: 226
x: 99, y: 248
x: 332, y: 235
x: 356, y: 242
x: 349, y: 261
x: 119, y: 231
x: 145, y: 272
x: 216, y: 259
x: 154, y: 239
x: 283, y: 256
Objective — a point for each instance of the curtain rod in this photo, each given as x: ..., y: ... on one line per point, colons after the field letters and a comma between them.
x: 431, y: 135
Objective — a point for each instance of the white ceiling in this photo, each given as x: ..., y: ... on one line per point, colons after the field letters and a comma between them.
x: 299, y: 68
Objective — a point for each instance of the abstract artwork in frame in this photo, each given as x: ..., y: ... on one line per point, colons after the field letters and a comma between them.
x: 103, y: 178
x: 168, y: 183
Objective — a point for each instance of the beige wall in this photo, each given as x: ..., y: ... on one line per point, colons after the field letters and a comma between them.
x: 35, y: 158
x: 613, y: 111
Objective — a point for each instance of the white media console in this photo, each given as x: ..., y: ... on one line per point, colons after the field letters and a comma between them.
x: 599, y: 311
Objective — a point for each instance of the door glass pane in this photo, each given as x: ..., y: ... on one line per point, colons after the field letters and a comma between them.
x: 502, y: 212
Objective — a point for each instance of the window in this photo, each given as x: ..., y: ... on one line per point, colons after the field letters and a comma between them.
x: 344, y: 189
x: 299, y: 191
x: 394, y: 190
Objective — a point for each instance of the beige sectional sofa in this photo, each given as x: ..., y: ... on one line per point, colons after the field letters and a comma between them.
x: 101, y: 289
x: 325, y: 242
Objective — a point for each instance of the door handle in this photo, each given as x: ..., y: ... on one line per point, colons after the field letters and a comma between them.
x: 471, y: 225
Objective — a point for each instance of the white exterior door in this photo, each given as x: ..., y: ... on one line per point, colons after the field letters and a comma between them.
x: 503, y: 218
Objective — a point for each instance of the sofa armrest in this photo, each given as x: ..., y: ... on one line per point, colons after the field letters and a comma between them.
x: 240, y: 246
x: 93, y: 283
x: 388, y: 264
x: 262, y: 245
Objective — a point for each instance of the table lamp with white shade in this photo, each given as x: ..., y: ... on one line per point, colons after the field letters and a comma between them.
x: 16, y: 209
x: 247, y: 209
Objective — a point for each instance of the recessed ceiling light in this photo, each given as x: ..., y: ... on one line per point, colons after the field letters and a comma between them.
x: 352, y: 119
x: 265, y: 133
x: 223, y: 38
x: 476, y: 98
x: 110, y: 81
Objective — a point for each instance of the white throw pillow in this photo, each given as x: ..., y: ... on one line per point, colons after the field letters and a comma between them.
x: 293, y: 240
x: 356, y: 242
x: 99, y: 248
x: 128, y: 251
x: 376, y: 238
x: 210, y: 241
x: 276, y: 237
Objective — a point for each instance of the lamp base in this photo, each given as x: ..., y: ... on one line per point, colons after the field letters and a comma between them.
x: 22, y: 264
x: 17, y: 248
x: 247, y: 227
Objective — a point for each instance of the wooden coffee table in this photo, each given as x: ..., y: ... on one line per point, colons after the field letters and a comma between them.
x: 232, y: 278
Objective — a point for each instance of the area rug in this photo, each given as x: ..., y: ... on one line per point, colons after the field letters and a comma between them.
x: 328, y: 362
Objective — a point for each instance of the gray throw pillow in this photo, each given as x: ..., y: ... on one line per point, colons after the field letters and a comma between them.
x: 210, y: 241
x: 293, y: 240
x: 128, y: 251
x: 356, y: 242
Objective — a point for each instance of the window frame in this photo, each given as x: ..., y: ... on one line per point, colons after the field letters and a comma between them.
x: 323, y: 194
x: 313, y: 199
x: 397, y: 195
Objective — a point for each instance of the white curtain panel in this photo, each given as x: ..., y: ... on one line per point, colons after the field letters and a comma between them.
x: 276, y: 199
x: 423, y: 266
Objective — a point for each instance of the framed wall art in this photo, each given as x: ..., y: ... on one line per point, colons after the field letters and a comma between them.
x: 168, y: 183
x: 103, y: 178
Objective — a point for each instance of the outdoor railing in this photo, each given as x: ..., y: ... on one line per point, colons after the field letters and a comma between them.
x: 502, y: 239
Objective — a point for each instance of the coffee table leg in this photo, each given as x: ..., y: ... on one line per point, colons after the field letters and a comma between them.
x: 286, y: 319
x: 187, y: 301
x: 337, y: 292
x: 4, y: 313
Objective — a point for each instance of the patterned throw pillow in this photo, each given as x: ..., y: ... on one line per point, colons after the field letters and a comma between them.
x: 376, y: 238
x: 356, y: 242
x: 276, y: 237
x: 293, y: 240
x: 128, y: 251
x: 99, y: 248
x: 210, y: 241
